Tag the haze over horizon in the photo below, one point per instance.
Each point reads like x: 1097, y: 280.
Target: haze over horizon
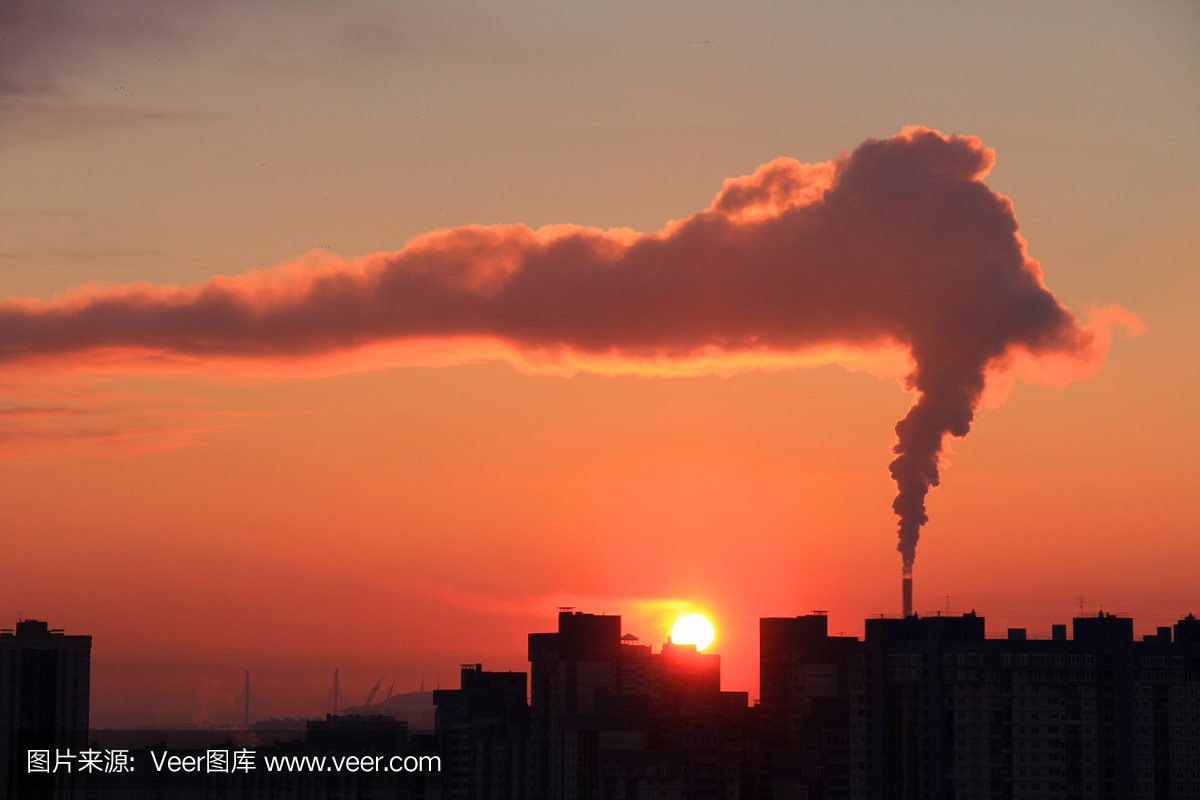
x: 412, y: 511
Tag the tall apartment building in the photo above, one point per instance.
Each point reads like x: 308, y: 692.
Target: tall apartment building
x: 935, y: 709
x: 44, y: 684
x: 805, y: 708
x: 484, y: 731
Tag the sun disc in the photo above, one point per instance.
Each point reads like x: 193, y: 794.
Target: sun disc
x: 693, y: 629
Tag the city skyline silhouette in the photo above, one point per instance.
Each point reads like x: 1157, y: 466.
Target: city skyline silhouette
x: 920, y: 707
x: 363, y: 338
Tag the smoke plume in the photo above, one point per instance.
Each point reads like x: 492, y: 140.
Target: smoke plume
x: 897, y: 245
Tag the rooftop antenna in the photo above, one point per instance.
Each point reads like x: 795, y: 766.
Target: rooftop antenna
x: 247, y: 717
x: 1081, y: 605
x: 422, y: 681
x: 335, y: 691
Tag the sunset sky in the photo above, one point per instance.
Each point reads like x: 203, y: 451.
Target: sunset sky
x: 308, y: 486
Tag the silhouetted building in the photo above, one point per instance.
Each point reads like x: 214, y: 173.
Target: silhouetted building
x: 484, y: 731
x: 567, y: 669
x: 938, y: 710
x: 44, y: 685
x: 380, y: 745
x: 805, y: 708
x: 612, y: 719
x: 358, y: 734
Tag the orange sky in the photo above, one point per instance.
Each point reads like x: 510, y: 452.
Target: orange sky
x: 405, y: 520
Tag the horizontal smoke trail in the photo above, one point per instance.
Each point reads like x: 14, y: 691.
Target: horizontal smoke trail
x: 897, y: 245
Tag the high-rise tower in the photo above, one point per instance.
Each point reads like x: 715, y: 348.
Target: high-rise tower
x: 44, y: 684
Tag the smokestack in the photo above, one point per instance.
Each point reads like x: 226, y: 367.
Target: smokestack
x: 908, y: 595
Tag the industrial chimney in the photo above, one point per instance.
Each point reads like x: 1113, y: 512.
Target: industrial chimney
x: 907, y: 588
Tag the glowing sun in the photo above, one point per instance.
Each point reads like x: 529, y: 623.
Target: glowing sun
x: 693, y: 629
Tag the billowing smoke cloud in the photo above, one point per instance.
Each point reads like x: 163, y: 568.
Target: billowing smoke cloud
x: 897, y: 245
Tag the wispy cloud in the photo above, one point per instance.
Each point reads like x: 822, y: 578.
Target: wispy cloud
x: 45, y: 44
x: 50, y: 49
x: 15, y: 259
x: 60, y: 117
x: 39, y: 411
x: 85, y: 416
x: 650, y: 615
